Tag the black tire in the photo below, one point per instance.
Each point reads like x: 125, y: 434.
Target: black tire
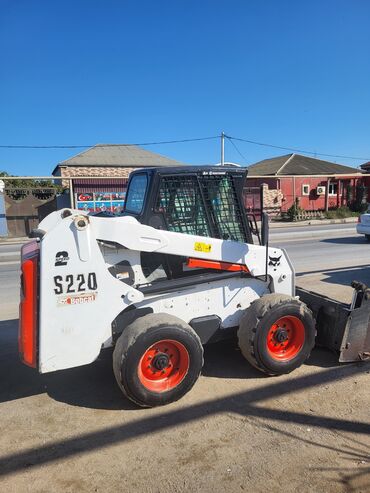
x: 367, y: 237
x: 139, y: 339
x: 258, y: 336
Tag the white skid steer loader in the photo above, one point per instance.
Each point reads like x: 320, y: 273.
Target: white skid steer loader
x: 178, y: 270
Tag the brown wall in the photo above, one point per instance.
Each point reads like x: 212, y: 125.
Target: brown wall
x: 22, y: 215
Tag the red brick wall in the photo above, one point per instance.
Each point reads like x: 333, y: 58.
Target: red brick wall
x: 293, y: 187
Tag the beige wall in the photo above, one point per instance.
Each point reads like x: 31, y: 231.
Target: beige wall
x: 272, y: 199
x: 95, y: 171
x: 102, y: 171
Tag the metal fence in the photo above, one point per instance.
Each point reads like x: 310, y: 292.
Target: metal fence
x: 25, y: 206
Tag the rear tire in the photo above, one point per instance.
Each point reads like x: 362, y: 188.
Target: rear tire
x: 157, y: 359
x: 367, y: 237
x: 277, y: 333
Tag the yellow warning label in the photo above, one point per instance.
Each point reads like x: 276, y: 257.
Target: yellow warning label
x: 202, y: 247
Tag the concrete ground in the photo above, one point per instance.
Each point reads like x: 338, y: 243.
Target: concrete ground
x: 237, y: 430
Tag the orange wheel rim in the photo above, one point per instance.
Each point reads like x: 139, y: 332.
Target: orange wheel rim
x: 163, y: 366
x: 285, y: 338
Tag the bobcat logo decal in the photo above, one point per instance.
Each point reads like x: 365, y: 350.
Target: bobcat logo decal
x: 274, y: 261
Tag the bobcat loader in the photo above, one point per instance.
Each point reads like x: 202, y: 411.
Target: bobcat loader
x: 177, y: 271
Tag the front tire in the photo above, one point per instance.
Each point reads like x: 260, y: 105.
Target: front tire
x: 276, y: 334
x: 367, y: 237
x: 157, y: 359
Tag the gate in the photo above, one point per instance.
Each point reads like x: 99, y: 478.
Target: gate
x: 22, y: 208
x: 3, y: 228
x: 253, y: 200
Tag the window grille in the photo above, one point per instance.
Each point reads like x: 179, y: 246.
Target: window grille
x: 205, y: 205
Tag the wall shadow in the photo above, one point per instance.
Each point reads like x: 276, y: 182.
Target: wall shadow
x: 247, y: 403
x: 354, y: 479
x: 344, y: 277
x: 336, y: 269
x: 347, y: 240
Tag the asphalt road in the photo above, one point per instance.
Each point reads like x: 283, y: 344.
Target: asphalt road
x: 9, y: 280
x: 325, y: 258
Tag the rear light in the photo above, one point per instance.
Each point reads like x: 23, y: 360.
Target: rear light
x: 28, y: 319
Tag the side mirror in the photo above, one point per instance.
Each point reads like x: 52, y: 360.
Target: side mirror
x: 265, y: 229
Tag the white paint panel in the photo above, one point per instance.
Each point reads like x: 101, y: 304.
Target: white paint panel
x: 72, y: 333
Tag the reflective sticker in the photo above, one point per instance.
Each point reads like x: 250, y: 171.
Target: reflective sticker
x: 202, y: 247
x: 77, y: 299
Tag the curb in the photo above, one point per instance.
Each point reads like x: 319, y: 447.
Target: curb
x: 14, y: 240
x: 282, y: 224
x: 313, y: 222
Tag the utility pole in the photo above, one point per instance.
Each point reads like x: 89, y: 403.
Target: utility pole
x: 222, y: 148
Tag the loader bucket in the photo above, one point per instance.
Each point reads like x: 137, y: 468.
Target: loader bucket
x: 341, y: 327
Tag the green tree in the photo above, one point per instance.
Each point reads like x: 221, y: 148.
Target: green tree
x: 29, y: 183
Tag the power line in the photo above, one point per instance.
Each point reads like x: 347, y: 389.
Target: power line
x: 293, y: 149
x: 236, y: 148
x: 229, y: 137
x: 106, y: 145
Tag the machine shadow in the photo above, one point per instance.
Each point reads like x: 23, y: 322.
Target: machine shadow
x: 94, y: 386
x: 91, y: 386
x: 344, y: 277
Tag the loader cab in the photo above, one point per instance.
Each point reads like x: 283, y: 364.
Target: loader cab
x: 204, y: 201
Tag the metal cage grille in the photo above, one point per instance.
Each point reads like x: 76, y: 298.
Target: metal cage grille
x: 221, y: 198
x: 204, y: 205
x: 180, y: 202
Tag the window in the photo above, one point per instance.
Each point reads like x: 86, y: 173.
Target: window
x: 333, y: 188
x: 110, y: 202
x: 305, y: 189
x: 136, y: 193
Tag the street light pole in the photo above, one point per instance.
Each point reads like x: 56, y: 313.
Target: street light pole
x: 222, y: 148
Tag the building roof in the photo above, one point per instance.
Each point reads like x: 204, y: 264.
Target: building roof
x: 366, y: 166
x: 296, y: 164
x: 128, y: 156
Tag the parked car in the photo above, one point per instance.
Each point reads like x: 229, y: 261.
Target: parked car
x: 363, y: 225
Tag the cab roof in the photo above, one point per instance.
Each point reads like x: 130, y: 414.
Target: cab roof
x: 187, y: 170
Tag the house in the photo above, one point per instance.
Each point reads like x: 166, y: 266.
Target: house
x: 106, y: 163
x: 366, y: 167
x: 318, y: 185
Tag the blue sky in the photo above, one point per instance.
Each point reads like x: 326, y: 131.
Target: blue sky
x: 290, y: 73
